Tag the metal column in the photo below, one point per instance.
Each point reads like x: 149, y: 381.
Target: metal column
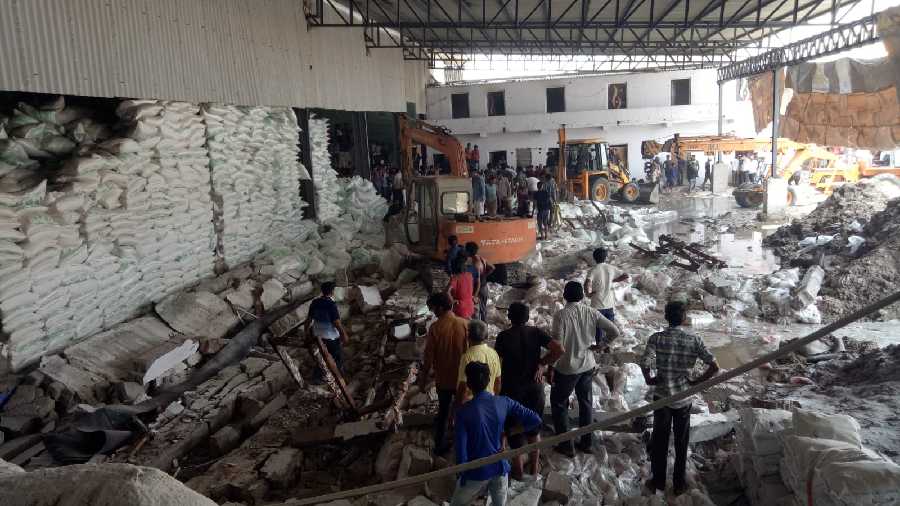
x: 721, y: 119
x: 776, y: 109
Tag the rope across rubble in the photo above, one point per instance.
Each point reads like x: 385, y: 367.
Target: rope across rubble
x: 613, y: 420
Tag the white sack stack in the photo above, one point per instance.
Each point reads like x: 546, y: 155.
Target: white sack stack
x: 128, y: 221
x: 324, y: 177
x: 255, y: 176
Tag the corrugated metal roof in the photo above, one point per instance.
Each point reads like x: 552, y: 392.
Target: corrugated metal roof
x: 251, y: 52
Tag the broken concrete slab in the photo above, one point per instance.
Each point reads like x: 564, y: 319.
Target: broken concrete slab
x: 39, y: 407
x: 77, y: 380
x: 282, y: 467
x: 224, y: 440
x: 253, y: 366
x: 272, y: 293
x: 14, y: 447
x: 197, y: 314
x: 415, y: 461
x: 723, y: 286
x: 369, y: 298
x: 24, y: 395
x: 557, y: 487
x: 15, y: 426
x: 351, y: 430
x: 711, y: 426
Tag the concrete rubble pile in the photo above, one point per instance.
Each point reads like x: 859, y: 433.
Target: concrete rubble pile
x: 255, y: 177
x: 853, y: 236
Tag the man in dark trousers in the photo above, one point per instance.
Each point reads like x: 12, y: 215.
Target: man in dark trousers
x: 520, y: 348
x: 575, y: 328
x: 479, y: 425
x: 674, y: 352
x: 680, y: 170
x: 444, y: 345
x: 325, y: 321
x: 707, y: 175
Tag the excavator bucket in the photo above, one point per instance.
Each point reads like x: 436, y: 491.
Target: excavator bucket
x: 649, y: 193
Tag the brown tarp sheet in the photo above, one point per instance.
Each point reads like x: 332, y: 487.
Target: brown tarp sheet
x: 849, y: 103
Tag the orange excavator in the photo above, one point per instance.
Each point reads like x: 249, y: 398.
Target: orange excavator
x: 441, y: 206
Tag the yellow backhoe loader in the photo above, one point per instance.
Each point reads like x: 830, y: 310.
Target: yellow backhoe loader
x: 585, y: 171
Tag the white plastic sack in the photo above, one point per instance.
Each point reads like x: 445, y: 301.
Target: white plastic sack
x: 819, y: 425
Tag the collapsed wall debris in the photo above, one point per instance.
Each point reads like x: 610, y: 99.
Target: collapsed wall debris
x: 853, y: 236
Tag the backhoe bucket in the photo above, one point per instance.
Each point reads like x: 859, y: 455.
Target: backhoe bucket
x: 649, y: 193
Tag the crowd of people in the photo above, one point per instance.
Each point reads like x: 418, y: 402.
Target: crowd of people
x: 671, y: 173
x: 495, y: 396
x: 499, y: 190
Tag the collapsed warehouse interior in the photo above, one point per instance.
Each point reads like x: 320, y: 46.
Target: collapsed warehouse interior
x: 169, y: 216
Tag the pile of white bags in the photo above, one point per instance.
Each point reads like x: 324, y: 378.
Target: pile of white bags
x: 823, y: 455
x: 324, y: 177
x: 760, y: 449
x: 255, y: 177
x: 121, y: 224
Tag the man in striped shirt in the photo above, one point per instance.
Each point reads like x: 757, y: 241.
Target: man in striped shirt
x: 675, y: 353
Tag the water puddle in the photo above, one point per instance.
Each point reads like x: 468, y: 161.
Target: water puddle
x: 707, y: 221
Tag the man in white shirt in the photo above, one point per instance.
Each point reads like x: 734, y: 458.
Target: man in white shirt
x: 575, y: 328
x: 532, y: 183
x: 598, y: 285
x: 398, y: 187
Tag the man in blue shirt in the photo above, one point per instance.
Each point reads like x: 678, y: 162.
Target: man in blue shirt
x: 325, y: 320
x: 454, y: 248
x: 479, y: 426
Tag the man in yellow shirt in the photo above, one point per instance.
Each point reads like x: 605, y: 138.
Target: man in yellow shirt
x: 478, y: 351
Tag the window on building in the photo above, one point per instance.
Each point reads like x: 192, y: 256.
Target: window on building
x: 460, y: 103
x: 618, y: 96
x: 496, y: 103
x: 681, y: 92
x: 556, y: 100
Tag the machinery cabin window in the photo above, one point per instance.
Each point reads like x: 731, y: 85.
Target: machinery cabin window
x: 681, y: 92
x: 454, y: 203
x: 556, y: 100
x: 496, y: 103
x: 460, y: 105
x: 585, y: 157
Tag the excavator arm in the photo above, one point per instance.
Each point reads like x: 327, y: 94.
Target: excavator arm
x: 414, y: 131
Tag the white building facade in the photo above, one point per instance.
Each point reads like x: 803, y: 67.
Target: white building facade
x: 512, y: 119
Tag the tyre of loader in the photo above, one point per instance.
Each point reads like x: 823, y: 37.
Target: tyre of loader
x: 630, y: 192
x: 749, y: 195
x: 649, y: 193
x: 600, y: 189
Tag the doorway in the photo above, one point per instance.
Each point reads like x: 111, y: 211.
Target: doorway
x: 523, y: 157
x: 498, y: 157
